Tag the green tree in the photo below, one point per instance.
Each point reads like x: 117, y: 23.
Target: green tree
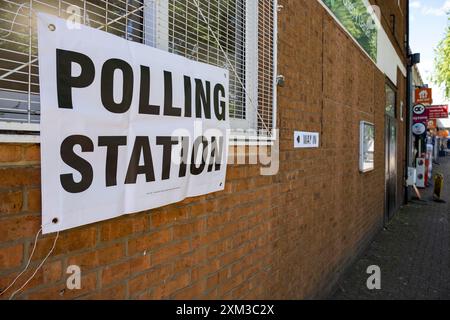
x: 442, y: 64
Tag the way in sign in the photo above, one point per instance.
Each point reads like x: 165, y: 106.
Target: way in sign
x: 306, y: 140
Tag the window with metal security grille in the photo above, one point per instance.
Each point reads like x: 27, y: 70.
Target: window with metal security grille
x: 239, y: 35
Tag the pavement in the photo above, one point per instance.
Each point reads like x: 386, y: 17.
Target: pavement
x: 413, y: 253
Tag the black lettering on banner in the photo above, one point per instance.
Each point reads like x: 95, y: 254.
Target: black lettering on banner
x: 202, y: 99
x: 187, y: 97
x: 197, y: 170
x: 184, y: 156
x: 141, y: 148
x: 64, y: 79
x: 167, y: 143
x: 107, y: 86
x: 144, y: 105
x: 219, y: 104
x: 216, y: 154
x: 112, y: 145
x: 169, y: 109
x: 76, y: 162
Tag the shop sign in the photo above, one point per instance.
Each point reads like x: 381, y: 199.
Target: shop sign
x: 424, y: 95
x: 419, y: 109
x: 420, y: 114
x: 124, y: 127
x: 419, y: 129
x: 423, y: 113
x: 437, y: 112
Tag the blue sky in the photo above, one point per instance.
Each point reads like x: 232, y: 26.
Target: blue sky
x: 428, y: 25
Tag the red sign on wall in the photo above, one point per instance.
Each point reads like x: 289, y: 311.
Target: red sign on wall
x: 424, y: 95
x: 437, y: 112
x: 420, y: 114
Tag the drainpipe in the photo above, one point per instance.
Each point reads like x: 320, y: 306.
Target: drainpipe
x: 409, y: 148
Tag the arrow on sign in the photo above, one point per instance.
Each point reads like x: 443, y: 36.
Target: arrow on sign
x: 306, y: 139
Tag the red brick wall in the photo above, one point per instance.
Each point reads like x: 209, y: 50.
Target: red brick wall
x: 390, y: 9
x: 289, y: 236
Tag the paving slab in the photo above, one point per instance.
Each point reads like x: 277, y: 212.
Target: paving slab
x: 413, y: 253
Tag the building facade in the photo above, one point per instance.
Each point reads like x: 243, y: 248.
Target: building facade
x: 296, y: 66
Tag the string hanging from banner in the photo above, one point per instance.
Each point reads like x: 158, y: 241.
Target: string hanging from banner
x: 28, y: 265
x: 37, y: 269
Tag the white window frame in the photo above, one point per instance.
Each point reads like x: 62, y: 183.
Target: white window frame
x: 29, y: 132
x: 362, y: 132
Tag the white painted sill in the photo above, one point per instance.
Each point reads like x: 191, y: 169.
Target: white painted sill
x: 12, y: 132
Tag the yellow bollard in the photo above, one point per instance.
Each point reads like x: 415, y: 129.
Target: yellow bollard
x: 438, y: 187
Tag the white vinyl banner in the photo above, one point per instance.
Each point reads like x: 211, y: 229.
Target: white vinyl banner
x: 124, y: 127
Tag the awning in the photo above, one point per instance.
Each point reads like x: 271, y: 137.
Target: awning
x: 443, y: 123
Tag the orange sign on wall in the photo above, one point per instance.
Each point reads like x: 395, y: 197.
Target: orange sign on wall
x: 424, y: 95
x: 432, y: 124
